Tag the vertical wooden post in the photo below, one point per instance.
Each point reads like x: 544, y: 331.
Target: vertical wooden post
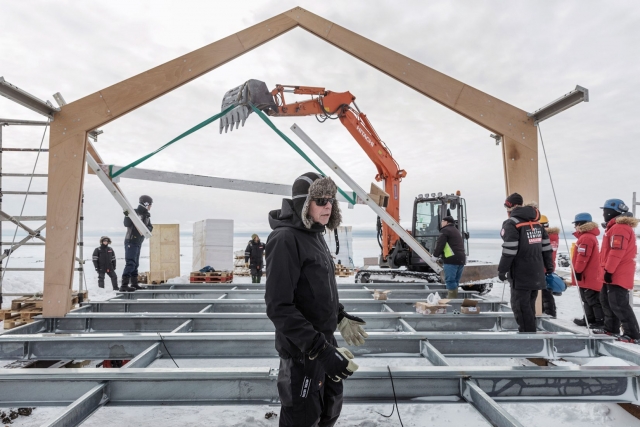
x: 66, y: 178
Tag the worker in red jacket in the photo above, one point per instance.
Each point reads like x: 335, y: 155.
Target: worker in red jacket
x: 548, y: 302
x: 586, y: 267
x: 617, y: 270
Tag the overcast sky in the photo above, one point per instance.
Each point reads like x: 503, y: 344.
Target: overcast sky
x: 526, y: 53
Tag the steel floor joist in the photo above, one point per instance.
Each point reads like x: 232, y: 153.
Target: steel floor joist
x: 44, y: 387
x: 118, y: 346
x: 258, y: 306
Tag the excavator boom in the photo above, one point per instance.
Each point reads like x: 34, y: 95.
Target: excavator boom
x: 324, y: 105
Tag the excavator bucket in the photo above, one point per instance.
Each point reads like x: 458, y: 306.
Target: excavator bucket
x: 252, y: 91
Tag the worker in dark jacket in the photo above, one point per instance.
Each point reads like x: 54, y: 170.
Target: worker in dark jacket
x: 526, y: 257
x: 253, y: 258
x: 302, y: 302
x: 617, y: 270
x: 451, y: 247
x: 585, y: 262
x: 104, y: 260
x: 133, y: 243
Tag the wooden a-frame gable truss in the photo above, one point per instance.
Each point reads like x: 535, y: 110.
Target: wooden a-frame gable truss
x: 68, y: 137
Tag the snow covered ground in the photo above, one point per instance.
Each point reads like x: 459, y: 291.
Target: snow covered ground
x: 454, y: 414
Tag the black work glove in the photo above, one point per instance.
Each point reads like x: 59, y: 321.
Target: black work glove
x: 608, y: 277
x: 126, y: 213
x: 502, y: 276
x: 548, y: 272
x: 578, y: 276
x: 336, y: 362
x: 97, y: 269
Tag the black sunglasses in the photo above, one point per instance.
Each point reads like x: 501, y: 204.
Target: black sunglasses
x: 324, y: 200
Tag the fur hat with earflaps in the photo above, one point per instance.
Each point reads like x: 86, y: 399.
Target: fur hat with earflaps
x: 313, y: 186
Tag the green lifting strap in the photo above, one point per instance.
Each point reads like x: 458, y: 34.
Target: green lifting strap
x: 179, y: 137
x: 264, y: 117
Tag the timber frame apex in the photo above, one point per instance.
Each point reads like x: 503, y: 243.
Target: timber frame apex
x: 68, y: 134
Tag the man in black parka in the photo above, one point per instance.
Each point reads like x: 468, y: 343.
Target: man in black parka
x: 253, y: 256
x: 451, y: 247
x: 104, y: 260
x: 302, y: 302
x: 526, y: 258
x: 133, y: 243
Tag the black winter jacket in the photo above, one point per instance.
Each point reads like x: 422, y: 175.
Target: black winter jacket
x: 301, y: 290
x: 253, y: 254
x: 133, y: 235
x: 104, y: 258
x: 526, y: 250
x: 450, y: 234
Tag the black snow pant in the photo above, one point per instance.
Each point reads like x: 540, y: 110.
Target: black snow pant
x: 523, y: 305
x: 617, y: 310
x: 548, y: 303
x: 112, y: 274
x: 132, y: 260
x: 256, y: 273
x: 592, y: 306
x: 308, y: 397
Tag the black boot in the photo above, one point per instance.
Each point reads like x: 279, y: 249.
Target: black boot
x: 134, y: 283
x: 580, y: 322
x: 597, y: 324
x: 125, y: 285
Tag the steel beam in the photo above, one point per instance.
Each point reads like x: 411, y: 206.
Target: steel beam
x: 412, y: 294
x: 488, y: 407
x: 25, y: 99
x: 145, y: 358
x: 261, y: 344
x: 259, y: 306
x: 260, y: 286
x: 82, y: 408
x: 132, y: 387
x: 87, y: 322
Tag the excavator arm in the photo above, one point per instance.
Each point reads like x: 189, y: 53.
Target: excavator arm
x: 324, y: 105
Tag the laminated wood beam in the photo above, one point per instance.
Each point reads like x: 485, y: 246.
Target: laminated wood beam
x: 68, y: 135
x: 483, y: 109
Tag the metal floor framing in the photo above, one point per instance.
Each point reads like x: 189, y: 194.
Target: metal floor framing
x: 228, y: 321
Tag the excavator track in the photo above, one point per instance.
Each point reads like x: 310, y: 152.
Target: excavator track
x: 404, y: 276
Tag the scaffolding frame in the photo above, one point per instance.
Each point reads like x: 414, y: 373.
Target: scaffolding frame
x: 27, y: 100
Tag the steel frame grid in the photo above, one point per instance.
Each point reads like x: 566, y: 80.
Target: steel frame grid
x: 193, y: 330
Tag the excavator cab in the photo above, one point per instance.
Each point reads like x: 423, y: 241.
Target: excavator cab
x: 428, y: 212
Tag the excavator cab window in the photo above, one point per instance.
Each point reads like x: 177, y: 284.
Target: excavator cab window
x: 427, y: 223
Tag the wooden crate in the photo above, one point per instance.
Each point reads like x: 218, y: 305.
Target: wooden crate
x: 164, y: 253
x: 342, y: 271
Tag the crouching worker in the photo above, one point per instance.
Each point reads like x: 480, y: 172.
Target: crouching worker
x: 302, y: 302
x: 586, y: 264
x: 526, y: 257
x: 104, y: 260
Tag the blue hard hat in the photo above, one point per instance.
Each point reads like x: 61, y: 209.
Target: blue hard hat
x: 583, y: 216
x: 615, y: 204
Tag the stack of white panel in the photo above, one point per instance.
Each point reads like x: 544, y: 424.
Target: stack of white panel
x: 213, y: 244
x: 345, y: 239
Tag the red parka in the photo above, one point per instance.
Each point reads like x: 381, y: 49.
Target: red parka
x: 554, y: 237
x: 586, y: 256
x: 619, y: 250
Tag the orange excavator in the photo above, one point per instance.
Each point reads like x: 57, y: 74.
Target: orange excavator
x: 324, y: 104
x: 428, y: 210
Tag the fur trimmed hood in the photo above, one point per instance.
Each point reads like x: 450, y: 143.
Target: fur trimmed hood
x: 554, y: 230
x: 586, y: 227
x: 105, y: 238
x: 628, y: 220
x: 318, y: 189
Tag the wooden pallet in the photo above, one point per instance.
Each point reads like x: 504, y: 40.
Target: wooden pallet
x: 342, y: 271
x: 24, y: 309
x: 211, y: 277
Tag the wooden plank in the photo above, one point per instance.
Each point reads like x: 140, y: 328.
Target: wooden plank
x: 66, y: 175
x: 521, y: 170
